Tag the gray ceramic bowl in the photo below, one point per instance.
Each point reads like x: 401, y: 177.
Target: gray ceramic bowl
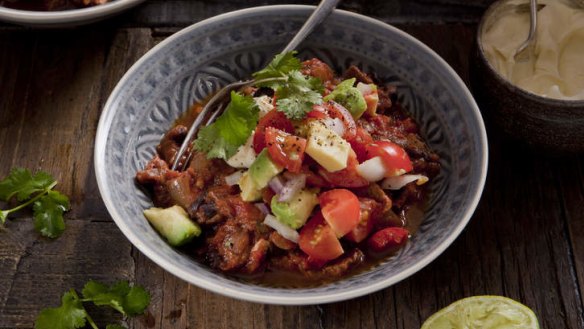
x: 545, y: 124
x: 190, y: 64
x: 65, y: 18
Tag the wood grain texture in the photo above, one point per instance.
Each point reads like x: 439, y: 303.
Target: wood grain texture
x: 525, y: 241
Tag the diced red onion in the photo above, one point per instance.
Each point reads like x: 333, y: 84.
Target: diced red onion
x: 335, y: 124
x: 292, y: 186
x: 284, y: 230
x: 276, y: 184
x: 262, y: 207
x: 233, y: 179
x: 372, y: 170
x: 397, y: 182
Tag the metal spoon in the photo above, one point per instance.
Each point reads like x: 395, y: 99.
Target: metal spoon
x: 526, y: 49
x: 217, y: 103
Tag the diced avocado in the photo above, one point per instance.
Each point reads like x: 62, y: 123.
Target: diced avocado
x: 173, y: 224
x: 326, y: 147
x: 295, y: 212
x: 249, y: 191
x: 348, y: 96
x: 263, y: 169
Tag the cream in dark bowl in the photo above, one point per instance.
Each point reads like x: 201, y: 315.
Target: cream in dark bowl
x: 539, y: 101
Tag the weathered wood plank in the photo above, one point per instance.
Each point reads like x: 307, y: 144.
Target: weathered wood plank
x: 39, y: 270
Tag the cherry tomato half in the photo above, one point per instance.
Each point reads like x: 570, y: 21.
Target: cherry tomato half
x: 275, y: 119
x: 388, y: 239
x: 318, y: 240
x: 366, y: 221
x: 395, y: 158
x: 341, y: 210
x: 360, y: 142
x: 285, y: 149
x: 348, y: 177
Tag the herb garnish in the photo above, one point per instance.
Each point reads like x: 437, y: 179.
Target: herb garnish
x: 48, y: 205
x: 231, y: 130
x: 295, y: 92
x: 71, y: 314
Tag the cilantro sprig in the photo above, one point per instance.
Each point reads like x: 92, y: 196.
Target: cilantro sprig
x: 27, y: 189
x: 71, y: 314
x: 296, y: 93
x: 231, y: 130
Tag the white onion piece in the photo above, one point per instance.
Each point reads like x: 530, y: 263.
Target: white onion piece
x: 233, y: 179
x: 364, y: 88
x: 284, y: 230
x: 292, y: 186
x: 372, y: 170
x: 397, y: 182
x: 264, y: 103
x: 276, y: 184
x: 262, y: 207
x: 335, y: 124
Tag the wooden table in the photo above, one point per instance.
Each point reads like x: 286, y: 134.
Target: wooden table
x: 525, y: 241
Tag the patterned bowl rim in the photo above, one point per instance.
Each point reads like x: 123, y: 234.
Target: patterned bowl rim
x: 109, y: 111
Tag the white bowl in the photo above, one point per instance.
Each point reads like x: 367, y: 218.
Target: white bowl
x: 187, y: 66
x: 65, y: 17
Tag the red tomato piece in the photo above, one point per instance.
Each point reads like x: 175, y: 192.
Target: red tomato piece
x: 341, y: 210
x: 366, y: 221
x: 360, y: 142
x: 318, y: 240
x: 388, y: 239
x: 395, y: 158
x: 348, y: 177
x: 275, y: 119
x: 336, y: 110
x: 318, y: 112
x: 285, y: 149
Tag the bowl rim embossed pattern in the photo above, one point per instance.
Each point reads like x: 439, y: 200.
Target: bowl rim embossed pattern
x: 199, y: 58
x: 64, y: 18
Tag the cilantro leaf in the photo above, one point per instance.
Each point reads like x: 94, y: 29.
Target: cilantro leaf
x: 69, y: 315
x: 231, y: 130
x: 298, y: 95
x: 280, y: 66
x: 22, y: 184
x: 120, y: 296
x: 48, y: 214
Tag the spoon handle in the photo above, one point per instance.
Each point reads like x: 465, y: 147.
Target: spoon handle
x: 320, y: 13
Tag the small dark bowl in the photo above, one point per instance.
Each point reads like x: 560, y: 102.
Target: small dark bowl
x: 545, y: 124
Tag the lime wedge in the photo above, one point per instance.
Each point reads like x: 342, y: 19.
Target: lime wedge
x: 483, y: 312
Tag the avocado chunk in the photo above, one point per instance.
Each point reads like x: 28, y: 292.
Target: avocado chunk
x: 249, y: 191
x: 295, y: 212
x: 263, y: 169
x: 326, y: 147
x: 173, y: 224
x: 348, y: 96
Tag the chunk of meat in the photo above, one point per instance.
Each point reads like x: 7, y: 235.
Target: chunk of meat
x: 355, y: 72
x: 207, y: 171
x: 182, y: 190
x: 230, y: 247
x: 257, y: 256
x: 170, y: 144
x: 281, y: 242
x: 318, y: 69
x: 299, y: 262
x: 154, y: 172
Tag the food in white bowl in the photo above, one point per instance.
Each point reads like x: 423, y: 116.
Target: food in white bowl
x: 61, y: 13
x: 193, y: 63
x: 555, y: 68
x: 287, y: 185
x: 50, y: 5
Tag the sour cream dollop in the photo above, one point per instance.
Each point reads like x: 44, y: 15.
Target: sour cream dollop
x: 556, y: 70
